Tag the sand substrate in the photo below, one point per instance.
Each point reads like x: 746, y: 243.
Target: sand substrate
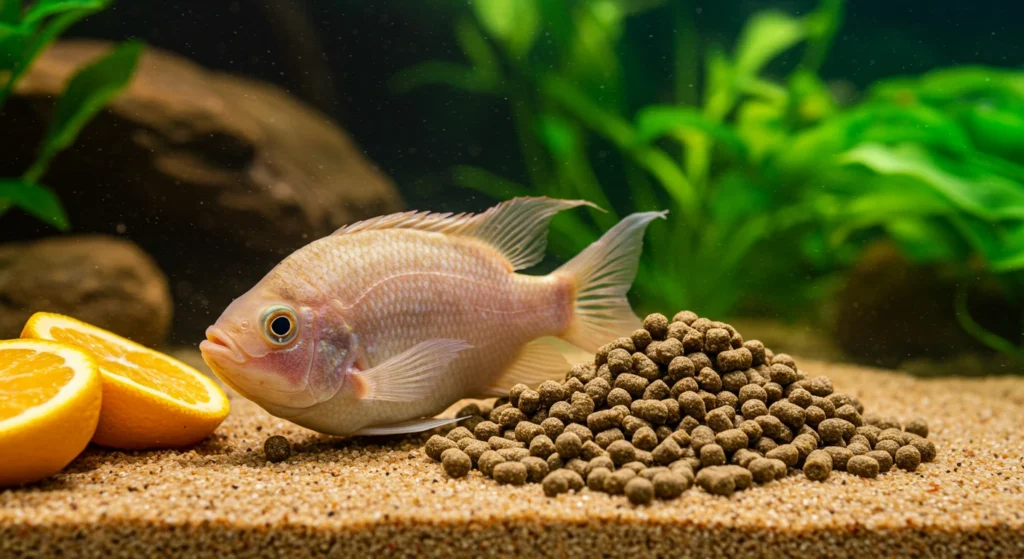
x: 385, y: 497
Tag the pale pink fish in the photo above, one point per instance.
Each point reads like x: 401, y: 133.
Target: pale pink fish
x: 385, y: 323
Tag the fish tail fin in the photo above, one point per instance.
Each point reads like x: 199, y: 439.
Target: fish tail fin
x: 602, y: 275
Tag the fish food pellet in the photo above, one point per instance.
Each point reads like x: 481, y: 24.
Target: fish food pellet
x: 818, y: 465
x: 434, y: 447
x: 475, y: 450
x: 542, y: 447
x: 488, y: 461
x: 536, y: 469
x: 925, y: 447
x: 555, y: 483
x: 645, y: 439
x: 621, y: 452
x: 669, y: 485
x: 510, y: 473
x: 716, y: 481
x: 908, y: 458
x: 762, y: 470
x: 456, y: 463
x: 786, y: 453
x: 279, y: 449
x: 884, y: 459
x: 732, y: 440
x: 863, y: 466
x: 485, y: 430
x: 596, y: 478
x: 712, y: 455
x: 671, y: 400
x: 616, y: 482
x: 639, y: 491
x: 858, y: 448
x: 512, y: 453
x: 568, y: 445
x: 619, y: 396
x: 917, y: 426
x: 888, y: 445
x: 840, y: 456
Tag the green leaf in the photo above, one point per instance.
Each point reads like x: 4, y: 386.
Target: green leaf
x: 1001, y: 246
x: 45, y: 8
x: 478, y: 50
x: 10, y: 11
x: 558, y: 135
x: 13, y: 43
x: 513, y: 22
x: 86, y: 94
x: 36, y: 199
x: 765, y: 36
x: 437, y: 72
x: 925, y: 240
x: 988, y: 196
x: 655, y: 121
x: 620, y: 132
x: 51, y: 29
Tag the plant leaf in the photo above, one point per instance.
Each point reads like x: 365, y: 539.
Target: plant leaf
x: 36, y: 199
x: 49, y: 32
x: 13, y: 42
x: 439, y: 72
x: 988, y: 196
x: 46, y: 8
x: 655, y: 121
x: 513, y: 22
x: 765, y: 36
x: 10, y: 11
x: 86, y: 94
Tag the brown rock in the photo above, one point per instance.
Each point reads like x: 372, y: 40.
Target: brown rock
x: 102, y: 280
x: 218, y: 177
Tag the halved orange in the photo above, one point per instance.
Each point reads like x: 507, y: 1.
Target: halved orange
x: 50, y: 396
x: 150, y: 400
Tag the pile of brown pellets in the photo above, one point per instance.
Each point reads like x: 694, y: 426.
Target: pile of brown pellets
x: 677, y: 403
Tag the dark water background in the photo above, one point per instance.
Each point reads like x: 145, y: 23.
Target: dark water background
x: 340, y: 54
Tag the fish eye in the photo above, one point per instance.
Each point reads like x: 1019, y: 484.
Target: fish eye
x: 279, y: 325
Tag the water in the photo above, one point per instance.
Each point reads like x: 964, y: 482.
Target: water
x: 832, y: 210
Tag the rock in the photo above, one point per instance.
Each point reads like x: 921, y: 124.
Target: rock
x: 102, y: 280
x: 893, y: 311
x: 218, y: 177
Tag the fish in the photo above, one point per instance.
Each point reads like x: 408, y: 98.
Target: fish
x: 380, y: 326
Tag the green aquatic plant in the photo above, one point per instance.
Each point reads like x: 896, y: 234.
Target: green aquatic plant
x: 25, y: 30
x: 774, y: 185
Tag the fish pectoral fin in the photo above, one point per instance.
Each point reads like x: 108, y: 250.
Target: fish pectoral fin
x: 406, y: 427
x: 540, y: 360
x: 410, y: 375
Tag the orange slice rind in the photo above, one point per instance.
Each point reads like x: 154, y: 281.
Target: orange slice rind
x: 150, y: 400
x: 50, y: 399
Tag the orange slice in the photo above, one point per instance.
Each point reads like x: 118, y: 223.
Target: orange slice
x: 149, y: 399
x: 49, y: 404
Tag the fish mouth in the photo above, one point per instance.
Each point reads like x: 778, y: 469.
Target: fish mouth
x: 219, y: 345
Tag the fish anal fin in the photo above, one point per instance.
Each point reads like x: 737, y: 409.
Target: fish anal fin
x: 406, y: 427
x: 538, y: 361
x: 517, y: 228
x: 410, y: 375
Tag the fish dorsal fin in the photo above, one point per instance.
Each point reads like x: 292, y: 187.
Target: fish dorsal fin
x: 538, y: 361
x: 518, y: 228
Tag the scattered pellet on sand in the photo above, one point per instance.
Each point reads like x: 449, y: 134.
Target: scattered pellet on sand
x: 278, y: 448
x: 678, y: 403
